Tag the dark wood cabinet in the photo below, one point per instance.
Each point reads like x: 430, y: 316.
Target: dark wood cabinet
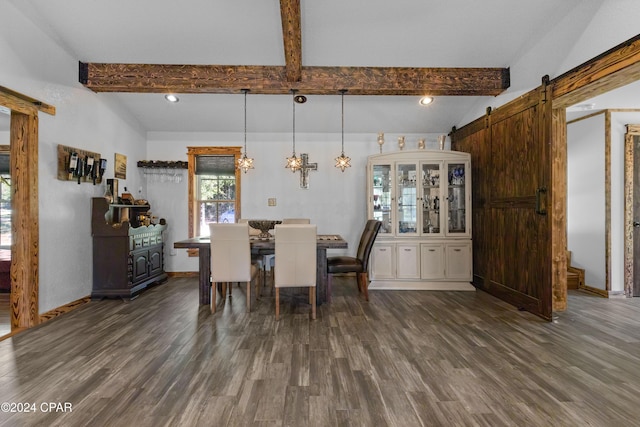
x: 127, y: 255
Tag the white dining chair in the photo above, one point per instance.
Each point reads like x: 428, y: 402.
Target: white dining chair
x: 296, y: 221
x: 231, y: 260
x: 296, y: 266
x: 271, y: 259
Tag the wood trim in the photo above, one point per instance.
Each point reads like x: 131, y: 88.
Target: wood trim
x: 23, y: 104
x: 51, y: 314
x: 162, y: 78
x: 292, y: 38
x: 558, y: 208
x: 600, y: 292
x: 192, y: 152
x: 183, y: 273
x: 579, y: 119
x: 607, y: 200
x: 24, y: 226
x: 612, y: 69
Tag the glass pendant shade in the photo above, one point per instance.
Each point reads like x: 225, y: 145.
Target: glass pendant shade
x: 245, y: 163
x: 343, y: 161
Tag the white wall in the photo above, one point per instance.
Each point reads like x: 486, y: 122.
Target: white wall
x: 586, y: 198
x: 335, y: 201
x: 585, y: 219
x: 566, y: 47
x: 37, y: 67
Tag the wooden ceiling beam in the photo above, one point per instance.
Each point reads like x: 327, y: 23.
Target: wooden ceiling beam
x: 156, y: 78
x: 292, y: 37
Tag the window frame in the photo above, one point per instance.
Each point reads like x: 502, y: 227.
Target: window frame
x: 192, y: 153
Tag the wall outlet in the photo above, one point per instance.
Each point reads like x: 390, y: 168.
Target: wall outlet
x: 271, y: 201
x: 173, y: 252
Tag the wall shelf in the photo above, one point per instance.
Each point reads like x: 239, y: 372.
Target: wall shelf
x: 161, y: 164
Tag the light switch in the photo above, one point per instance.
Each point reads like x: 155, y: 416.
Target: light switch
x: 271, y: 201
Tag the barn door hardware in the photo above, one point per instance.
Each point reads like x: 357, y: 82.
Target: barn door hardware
x: 539, y: 209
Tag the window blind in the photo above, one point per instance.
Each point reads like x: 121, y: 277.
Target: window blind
x: 5, y: 166
x: 215, y: 165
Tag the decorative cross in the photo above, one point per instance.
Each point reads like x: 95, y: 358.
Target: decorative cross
x: 305, y: 167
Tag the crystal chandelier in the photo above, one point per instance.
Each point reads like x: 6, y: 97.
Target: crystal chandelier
x: 294, y: 163
x: 342, y: 161
x: 245, y: 163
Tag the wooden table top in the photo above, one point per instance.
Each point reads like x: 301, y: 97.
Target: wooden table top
x: 325, y: 241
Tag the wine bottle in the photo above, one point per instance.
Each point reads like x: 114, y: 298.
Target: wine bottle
x: 79, y: 170
x: 88, y: 165
x: 73, y: 164
x: 103, y: 167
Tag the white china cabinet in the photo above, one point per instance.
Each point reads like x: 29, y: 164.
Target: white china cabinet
x: 423, y: 198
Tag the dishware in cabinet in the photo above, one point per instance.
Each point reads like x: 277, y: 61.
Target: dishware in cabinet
x: 423, y: 198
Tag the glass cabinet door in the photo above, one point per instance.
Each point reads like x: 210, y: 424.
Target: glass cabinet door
x: 381, y: 197
x: 431, y: 198
x: 456, y: 198
x: 407, y: 209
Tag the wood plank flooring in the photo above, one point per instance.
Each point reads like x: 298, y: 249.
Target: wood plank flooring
x: 5, y: 314
x: 406, y: 358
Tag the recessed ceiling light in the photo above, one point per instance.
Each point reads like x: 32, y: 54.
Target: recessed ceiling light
x: 585, y: 107
x: 426, y: 100
x: 171, y: 97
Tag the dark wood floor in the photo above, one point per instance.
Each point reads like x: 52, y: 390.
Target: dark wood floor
x: 406, y: 358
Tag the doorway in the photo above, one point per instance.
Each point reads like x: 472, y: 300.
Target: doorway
x: 23, y: 143
x: 632, y: 211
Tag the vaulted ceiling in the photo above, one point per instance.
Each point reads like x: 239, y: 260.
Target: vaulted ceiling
x: 384, y: 53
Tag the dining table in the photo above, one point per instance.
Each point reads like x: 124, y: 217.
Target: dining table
x: 264, y: 246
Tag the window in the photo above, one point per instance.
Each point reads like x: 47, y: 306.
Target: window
x: 5, y: 200
x: 214, y: 187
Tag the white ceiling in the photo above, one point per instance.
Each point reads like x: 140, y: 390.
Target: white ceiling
x: 415, y: 33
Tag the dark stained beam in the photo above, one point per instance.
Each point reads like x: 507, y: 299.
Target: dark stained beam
x: 292, y: 37
x: 155, y: 78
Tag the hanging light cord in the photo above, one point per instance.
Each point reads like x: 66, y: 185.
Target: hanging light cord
x: 342, y: 122
x: 245, y: 120
x: 293, y: 91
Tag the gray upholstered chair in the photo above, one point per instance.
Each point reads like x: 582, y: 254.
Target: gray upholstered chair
x: 231, y: 259
x: 358, y: 264
x: 296, y: 261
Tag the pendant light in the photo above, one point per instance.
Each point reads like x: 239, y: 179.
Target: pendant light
x: 245, y: 163
x: 342, y: 161
x: 294, y: 163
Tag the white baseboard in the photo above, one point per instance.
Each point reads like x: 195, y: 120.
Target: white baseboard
x: 420, y: 286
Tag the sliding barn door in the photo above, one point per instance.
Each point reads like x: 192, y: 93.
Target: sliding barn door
x: 511, y: 233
